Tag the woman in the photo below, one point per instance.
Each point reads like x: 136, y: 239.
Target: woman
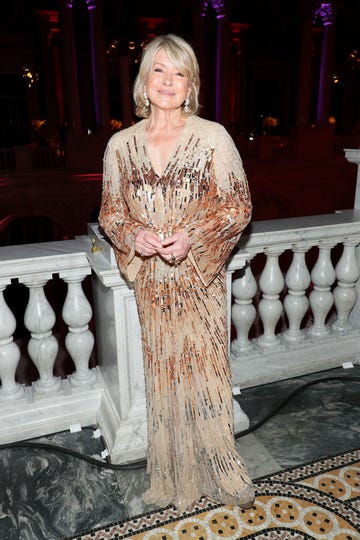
x: 175, y: 200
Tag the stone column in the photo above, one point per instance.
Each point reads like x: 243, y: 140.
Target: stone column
x: 48, y: 23
x: 353, y: 156
x: 125, y: 89
x: 198, y: 23
x: 70, y: 72
x: 222, y: 68
x: 98, y: 63
x: 316, y: 143
x: 305, y: 66
x: 325, y: 10
x: 237, y: 74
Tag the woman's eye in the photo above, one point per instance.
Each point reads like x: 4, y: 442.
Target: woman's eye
x: 158, y: 70
x: 180, y: 74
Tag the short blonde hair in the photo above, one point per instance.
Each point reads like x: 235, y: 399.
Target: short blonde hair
x: 182, y: 56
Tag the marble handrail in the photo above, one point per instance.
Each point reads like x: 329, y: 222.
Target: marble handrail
x: 34, y: 265
x: 50, y: 403
x: 300, y: 311
x: 289, y: 314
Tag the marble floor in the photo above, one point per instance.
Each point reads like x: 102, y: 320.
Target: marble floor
x: 52, y: 496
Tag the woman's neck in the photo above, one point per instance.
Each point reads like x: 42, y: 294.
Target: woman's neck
x: 166, y: 119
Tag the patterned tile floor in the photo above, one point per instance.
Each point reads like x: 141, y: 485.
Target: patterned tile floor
x: 318, y: 500
x: 47, y: 496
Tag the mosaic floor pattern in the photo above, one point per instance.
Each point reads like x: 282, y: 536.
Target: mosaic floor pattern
x: 318, y: 500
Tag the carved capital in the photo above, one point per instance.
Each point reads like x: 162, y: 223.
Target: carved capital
x: 326, y: 12
x: 219, y: 6
x: 91, y: 4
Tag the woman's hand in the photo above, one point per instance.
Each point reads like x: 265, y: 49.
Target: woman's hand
x: 176, y: 247
x: 147, y: 243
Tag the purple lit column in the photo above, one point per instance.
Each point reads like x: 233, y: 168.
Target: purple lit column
x: 222, y: 54
x: 71, y: 83
x: 198, y: 22
x: 237, y: 74
x: 48, y: 30
x: 325, y: 10
x: 305, y: 66
x: 98, y: 62
x: 125, y: 84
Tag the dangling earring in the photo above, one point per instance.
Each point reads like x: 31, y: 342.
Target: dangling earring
x: 186, y: 105
x: 146, y: 100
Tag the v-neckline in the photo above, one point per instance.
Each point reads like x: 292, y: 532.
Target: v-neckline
x: 172, y: 153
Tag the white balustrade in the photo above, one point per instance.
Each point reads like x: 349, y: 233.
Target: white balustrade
x: 79, y: 341
x: 314, y: 314
x: 112, y: 395
x: 345, y: 295
x: 243, y: 312
x: 321, y: 297
x: 9, y: 352
x: 51, y: 403
x: 296, y: 304
x: 39, y: 319
x: 270, y: 307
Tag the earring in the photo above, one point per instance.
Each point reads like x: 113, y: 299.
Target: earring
x: 146, y: 100
x: 186, y: 105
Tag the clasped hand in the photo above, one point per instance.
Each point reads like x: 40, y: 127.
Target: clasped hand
x: 173, y: 248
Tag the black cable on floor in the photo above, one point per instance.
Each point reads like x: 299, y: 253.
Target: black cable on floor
x: 62, y: 450
x: 135, y: 465
x: 289, y: 398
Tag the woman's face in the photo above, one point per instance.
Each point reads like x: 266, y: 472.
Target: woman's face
x: 166, y: 87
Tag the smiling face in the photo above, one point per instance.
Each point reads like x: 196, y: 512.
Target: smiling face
x: 166, y: 87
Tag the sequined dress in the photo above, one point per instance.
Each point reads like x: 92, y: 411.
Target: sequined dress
x: 182, y: 309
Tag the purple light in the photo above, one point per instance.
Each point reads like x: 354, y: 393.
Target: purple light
x: 326, y: 12
x: 219, y: 7
x: 91, y: 4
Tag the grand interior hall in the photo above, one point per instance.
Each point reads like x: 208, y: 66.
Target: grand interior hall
x: 284, y: 79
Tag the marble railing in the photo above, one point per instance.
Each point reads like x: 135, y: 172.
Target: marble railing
x: 293, y: 309
x: 295, y: 314
x: 50, y: 403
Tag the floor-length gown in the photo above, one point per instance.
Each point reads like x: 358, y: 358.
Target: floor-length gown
x: 182, y: 309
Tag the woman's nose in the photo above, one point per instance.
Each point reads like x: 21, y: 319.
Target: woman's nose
x: 168, y: 79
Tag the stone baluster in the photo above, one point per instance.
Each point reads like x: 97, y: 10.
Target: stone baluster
x: 79, y: 340
x: 9, y: 352
x: 296, y: 304
x: 39, y: 319
x: 243, y: 312
x: 321, y: 298
x: 345, y: 295
x: 270, y: 307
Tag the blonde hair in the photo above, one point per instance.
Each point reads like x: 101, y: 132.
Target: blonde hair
x: 182, y: 56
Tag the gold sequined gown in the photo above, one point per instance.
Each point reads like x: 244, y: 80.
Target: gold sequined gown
x: 182, y: 309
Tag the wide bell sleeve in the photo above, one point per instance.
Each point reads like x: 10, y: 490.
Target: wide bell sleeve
x: 215, y: 233
x: 114, y: 216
